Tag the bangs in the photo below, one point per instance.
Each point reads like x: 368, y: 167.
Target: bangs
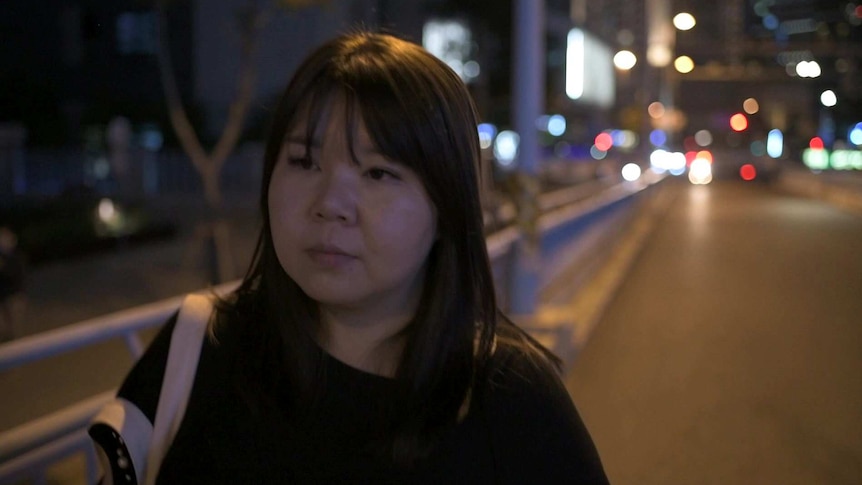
x: 362, y: 102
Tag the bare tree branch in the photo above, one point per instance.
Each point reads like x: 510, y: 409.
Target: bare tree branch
x: 177, y: 113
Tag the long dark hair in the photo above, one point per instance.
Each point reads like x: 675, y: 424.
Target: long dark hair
x: 419, y: 113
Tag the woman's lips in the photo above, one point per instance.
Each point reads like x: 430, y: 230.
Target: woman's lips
x: 329, y: 257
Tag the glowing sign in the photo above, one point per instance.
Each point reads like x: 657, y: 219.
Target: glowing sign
x: 589, y: 69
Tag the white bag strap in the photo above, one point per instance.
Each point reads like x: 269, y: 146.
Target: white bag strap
x: 186, y: 342
x: 134, y: 430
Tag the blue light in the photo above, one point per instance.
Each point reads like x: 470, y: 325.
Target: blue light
x: 657, y: 137
x: 770, y: 22
x: 487, y: 132
x: 556, y: 125
x: 775, y: 143
x: 855, y: 135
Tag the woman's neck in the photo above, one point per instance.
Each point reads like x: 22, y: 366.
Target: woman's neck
x: 372, y: 344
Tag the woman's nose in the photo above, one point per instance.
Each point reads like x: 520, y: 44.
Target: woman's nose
x: 335, y: 196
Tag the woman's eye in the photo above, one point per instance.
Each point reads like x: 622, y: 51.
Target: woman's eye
x: 303, y: 162
x: 380, y: 174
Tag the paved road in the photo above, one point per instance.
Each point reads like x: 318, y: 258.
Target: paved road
x: 732, y: 352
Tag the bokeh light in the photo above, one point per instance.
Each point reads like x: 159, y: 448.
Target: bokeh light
x: 506, y: 147
x: 604, y: 141
x: 750, y: 106
x: 775, y: 143
x: 655, y: 109
x: 684, y: 21
x: 658, y: 137
x: 700, y: 172
x: 631, y: 172
x: 556, y: 125
x: 703, y: 138
x: 738, y: 122
x: 855, y: 135
x: 487, y: 132
x: 625, y: 60
x: 747, y: 172
x: 683, y: 64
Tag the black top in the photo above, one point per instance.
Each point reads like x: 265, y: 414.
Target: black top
x: 522, y: 428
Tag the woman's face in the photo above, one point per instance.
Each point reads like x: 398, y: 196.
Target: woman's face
x: 353, y: 232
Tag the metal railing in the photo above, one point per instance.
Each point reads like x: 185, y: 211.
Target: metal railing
x: 27, y: 451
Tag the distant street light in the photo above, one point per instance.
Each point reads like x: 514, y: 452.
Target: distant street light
x: 683, y: 64
x: 684, y: 21
x: 625, y: 60
x: 828, y: 98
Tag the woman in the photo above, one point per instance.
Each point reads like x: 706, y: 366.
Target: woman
x: 364, y: 345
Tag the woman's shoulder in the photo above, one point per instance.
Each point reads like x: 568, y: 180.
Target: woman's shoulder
x: 538, y: 432
x: 519, y: 363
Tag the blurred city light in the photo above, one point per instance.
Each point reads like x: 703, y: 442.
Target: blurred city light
x: 738, y: 122
x: 747, y: 172
x: 625, y: 139
x: 690, y: 156
x: 506, y: 147
x: 775, y: 143
x: 586, y: 53
x: 658, y: 137
x: 816, y: 143
x: 750, y: 106
x: 815, y: 158
x: 809, y: 69
x: 655, y: 109
x: 471, y: 69
x: 631, y: 172
x: 846, y: 160
x: 770, y: 22
x: 683, y: 64
x: 487, y: 132
x: 107, y: 212
x: 659, y: 55
x: 598, y: 153
x: 828, y: 98
x: 703, y: 138
x: 625, y: 60
x: 855, y: 135
x: 700, y: 172
x: 556, y: 125
x: 604, y: 141
x: 684, y: 21
x: 150, y: 137
x: 704, y: 155
x: 451, y: 42
x: 821, y: 159
x: 664, y: 161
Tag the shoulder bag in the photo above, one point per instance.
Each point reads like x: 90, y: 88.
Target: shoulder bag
x: 147, y: 444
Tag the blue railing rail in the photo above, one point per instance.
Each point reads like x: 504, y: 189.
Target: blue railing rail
x: 28, y: 450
